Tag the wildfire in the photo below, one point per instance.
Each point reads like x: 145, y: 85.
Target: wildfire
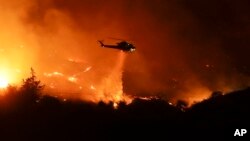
x: 87, y: 69
x: 53, y: 74
x: 111, y: 88
x: 115, y: 105
x: 4, y: 79
x: 3, y: 82
x: 87, y: 84
x: 148, y: 97
x: 92, y: 87
x: 72, y: 79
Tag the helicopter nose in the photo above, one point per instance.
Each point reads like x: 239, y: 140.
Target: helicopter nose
x: 132, y: 49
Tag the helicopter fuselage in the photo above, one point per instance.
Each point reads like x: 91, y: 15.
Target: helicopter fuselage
x: 124, y: 46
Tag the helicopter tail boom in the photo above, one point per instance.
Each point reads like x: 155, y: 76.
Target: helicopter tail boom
x: 101, y: 42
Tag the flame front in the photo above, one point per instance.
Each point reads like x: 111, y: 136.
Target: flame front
x: 111, y: 87
x: 58, y: 38
x: 107, y: 88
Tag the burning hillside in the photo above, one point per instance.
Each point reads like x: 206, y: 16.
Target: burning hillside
x: 179, y: 56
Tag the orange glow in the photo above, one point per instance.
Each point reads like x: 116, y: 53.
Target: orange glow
x: 92, y: 87
x: 197, y: 94
x: 4, y: 79
x: 111, y: 87
x: 148, y: 97
x: 53, y: 74
x: 59, y: 41
x: 17, y: 47
x: 72, y: 79
x: 3, y: 82
x: 115, y: 105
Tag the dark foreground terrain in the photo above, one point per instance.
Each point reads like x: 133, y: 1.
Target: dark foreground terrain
x: 24, y: 115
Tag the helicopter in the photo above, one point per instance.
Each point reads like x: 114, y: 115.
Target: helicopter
x: 123, y: 45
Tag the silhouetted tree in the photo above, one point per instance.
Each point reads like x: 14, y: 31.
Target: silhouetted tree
x: 32, y: 84
x: 31, y: 87
x: 181, y: 104
x: 216, y: 94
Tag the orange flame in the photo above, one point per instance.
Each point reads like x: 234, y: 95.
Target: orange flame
x: 111, y: 87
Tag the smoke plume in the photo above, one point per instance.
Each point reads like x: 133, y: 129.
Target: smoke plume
x: 185, y: 49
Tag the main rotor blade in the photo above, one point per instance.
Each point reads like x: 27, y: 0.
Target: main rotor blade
x: 116, y: 39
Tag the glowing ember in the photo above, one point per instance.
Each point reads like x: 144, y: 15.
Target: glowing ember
x: 207, y: 65
x: 72, y: 79
x: 92, y: 87
x: 53, y: 74
x: 52, y: 85
x: 87, y: 69
x: 148, y: 97
x: 115, y: 105
x: 71, y: 60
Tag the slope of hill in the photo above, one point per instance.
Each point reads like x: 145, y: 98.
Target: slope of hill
x: 24, y: 116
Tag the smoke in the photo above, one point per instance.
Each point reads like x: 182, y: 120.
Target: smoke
x: 185, y: 49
